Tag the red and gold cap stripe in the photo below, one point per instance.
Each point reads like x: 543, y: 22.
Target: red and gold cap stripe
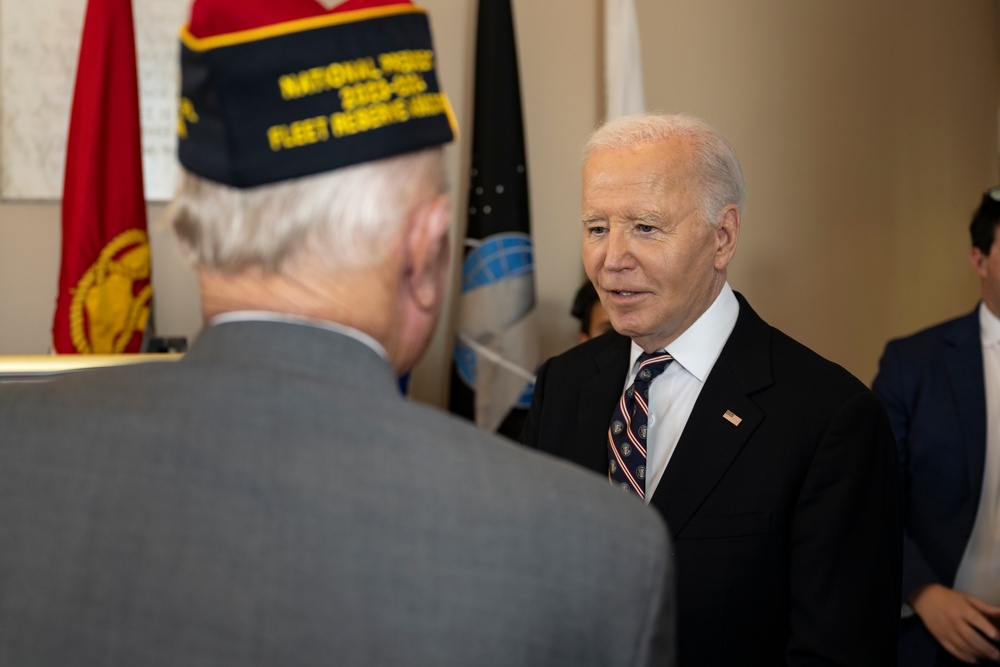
x: 203, y: 44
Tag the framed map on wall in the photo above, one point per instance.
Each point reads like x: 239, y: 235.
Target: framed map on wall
x: 39, y: 46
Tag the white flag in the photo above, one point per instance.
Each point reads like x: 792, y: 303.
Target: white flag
x: 622, y: 60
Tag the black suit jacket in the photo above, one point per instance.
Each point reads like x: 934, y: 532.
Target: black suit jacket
x: 786, y: 526
x: 933, y: 387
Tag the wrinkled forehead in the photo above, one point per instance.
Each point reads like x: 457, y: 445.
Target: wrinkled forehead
x: 663, y: 167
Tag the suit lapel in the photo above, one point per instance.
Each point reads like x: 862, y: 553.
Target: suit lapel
x: 710, y: 442
x: 964, y: 363
x: 598, y: 395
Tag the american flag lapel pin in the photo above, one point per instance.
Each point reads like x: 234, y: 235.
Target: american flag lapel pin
x: 732, y: 418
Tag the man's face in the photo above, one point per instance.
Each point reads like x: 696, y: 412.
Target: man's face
x: 655, y: 263
x: 988, y: 269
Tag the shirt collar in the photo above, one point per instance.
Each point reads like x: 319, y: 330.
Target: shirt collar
x: 989, y: 326
x: 287, y: 318
x: 697, y: 349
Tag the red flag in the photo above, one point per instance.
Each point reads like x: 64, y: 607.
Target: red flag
x: 104, y: 284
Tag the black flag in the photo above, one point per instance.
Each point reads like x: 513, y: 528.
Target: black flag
x: 496, y: 349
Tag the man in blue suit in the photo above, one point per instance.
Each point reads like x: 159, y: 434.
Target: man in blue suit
x: 941, y: 387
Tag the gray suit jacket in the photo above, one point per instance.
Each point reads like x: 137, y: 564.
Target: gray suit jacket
x: 272, y: 500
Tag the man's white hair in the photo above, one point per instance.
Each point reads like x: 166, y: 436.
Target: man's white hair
x: 348, y: 218
x: 718, y: 167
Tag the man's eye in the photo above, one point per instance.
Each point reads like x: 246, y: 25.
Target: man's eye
x: 596, y: 231
x: 645, y: 229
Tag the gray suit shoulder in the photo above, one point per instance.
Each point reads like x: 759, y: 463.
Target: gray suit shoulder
x: 605, y: 554
x: 507, y: 468
x: 365, y: 504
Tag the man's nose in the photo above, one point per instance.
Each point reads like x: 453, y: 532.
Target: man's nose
x: 619, y: 251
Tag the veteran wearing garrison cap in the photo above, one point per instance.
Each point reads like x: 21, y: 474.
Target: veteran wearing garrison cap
x: 272, y: 499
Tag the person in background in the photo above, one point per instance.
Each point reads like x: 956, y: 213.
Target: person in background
x: 272, y: 499
x: 941, y: 387
x: 773, y: 467
x: 588, y: 309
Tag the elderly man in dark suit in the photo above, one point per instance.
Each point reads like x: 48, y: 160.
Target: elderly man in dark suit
x: 941, y: 387
x: 774, y: 468
x: 272, y: 499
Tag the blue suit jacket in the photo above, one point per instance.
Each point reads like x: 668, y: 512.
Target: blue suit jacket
x: 933, y: 388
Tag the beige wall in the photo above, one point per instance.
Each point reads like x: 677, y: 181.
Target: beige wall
x: 868, y: 131
x: 867, y: 128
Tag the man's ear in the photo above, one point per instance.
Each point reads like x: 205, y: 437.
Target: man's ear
x: 979, y: 259
x: 727, y: 234
x: 427, y: 250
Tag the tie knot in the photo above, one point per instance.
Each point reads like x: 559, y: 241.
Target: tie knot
x: 652, y: 364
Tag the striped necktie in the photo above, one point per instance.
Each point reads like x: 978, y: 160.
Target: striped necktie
x: 627, y: 433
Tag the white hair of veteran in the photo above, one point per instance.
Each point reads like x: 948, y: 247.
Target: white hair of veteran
x: 343, y: 217
x: 718, y: 167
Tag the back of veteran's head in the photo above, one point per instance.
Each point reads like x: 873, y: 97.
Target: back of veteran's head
x: 366, y: 246
x: 663, y: 198
x: 293, y: 200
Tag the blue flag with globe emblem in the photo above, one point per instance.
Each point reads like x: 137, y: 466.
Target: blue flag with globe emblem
x: 497, y: 348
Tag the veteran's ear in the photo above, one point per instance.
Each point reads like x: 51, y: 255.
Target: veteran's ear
x: 427, y: 251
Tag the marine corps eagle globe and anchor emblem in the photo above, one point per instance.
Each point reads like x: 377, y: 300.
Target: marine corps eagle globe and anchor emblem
x: 110, y: 304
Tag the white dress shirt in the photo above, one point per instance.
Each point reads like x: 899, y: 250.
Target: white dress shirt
x: 672, y: 395
x: 979, y: 571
